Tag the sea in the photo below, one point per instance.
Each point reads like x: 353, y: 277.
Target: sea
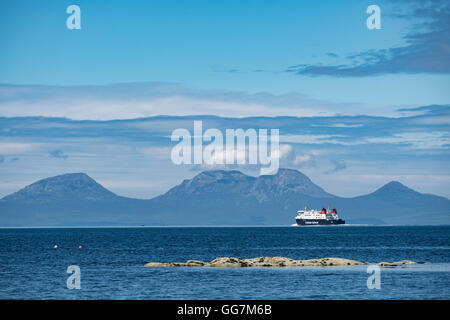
x: 110, y: 262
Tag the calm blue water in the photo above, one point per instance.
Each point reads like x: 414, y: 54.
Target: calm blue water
x: 112, y: 262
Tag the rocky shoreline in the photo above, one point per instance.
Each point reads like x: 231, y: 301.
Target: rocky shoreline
x: 274, y: 262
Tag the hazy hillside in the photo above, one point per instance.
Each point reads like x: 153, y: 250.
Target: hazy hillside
x: 213, y: 198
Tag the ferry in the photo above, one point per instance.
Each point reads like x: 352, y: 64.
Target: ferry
x: 313, y: 217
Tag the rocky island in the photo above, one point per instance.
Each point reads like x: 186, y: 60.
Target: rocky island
x: 230, y: 262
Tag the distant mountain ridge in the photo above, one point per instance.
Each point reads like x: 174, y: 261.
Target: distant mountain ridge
x: 68, y: 186
x: 262, y: 188
x: 216, y: 197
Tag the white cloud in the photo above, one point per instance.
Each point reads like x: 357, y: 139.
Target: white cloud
x: 96, y: 109
x: 162, y: 153
x: 445, y: 120
x: 17, y: 147
x: 414, y: 140
x: 417, y: 140
x: 312, y: 138
x: 303, y: 159
x: 339, y: 125
x: 129, y: 101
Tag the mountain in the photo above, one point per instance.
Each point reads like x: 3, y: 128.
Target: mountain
x: 213, y: 198
x: 66, y: 187
x: 68, y: 199
x: 395, y: 203
x: 231, y: 197
x: 263, y: 188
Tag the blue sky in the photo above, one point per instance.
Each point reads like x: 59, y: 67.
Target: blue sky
x: 315, y: 60
x: 233, y: 45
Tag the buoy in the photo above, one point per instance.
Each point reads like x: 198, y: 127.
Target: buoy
x: 55, y: 247
x: 80, y: 247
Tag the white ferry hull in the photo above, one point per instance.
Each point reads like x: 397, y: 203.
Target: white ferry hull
x: 318, y: 222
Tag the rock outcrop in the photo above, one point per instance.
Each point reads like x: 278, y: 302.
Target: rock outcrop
x: 398, y: 263
x: 274, y: 262
x: 230, y: 262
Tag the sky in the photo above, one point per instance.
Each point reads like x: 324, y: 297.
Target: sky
x: 249, y: 46
x: 317, y: 61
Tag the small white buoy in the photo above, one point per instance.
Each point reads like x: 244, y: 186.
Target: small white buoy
x: 80, y: 247
x: 55, y: 247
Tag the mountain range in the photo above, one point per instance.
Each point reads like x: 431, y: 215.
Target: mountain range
x: 213, y: 198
